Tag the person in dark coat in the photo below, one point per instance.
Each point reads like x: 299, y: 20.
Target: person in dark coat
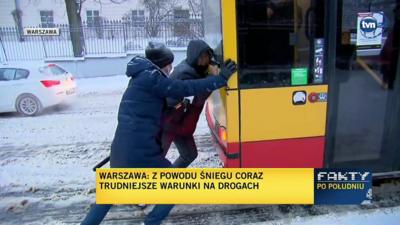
x: 389, y: 54
x: 181, y: 117
x: 137, y: 143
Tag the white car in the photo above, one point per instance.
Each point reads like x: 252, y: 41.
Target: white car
x: 30, y: 87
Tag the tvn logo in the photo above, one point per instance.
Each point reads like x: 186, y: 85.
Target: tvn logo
x: 325, y: 176
x: 42, y: 31
x: 368, y: 26
x: 369, y: 23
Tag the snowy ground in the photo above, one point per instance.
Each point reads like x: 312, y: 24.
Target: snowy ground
x: 46, y: 176
x: 46, y: 161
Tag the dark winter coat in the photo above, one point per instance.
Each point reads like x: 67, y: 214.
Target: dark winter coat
x: 136, y: 143
x: 177, y: 120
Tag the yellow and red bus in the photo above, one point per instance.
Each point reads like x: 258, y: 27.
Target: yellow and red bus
x: 307, y: 92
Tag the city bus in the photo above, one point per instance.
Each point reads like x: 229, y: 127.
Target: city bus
x: 316, y: 83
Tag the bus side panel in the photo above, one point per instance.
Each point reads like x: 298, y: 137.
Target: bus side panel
x: 279, y: 129
x: 222, y: 111
x: 290, y: 153
x: 228, y: 160
x: 271, y: 114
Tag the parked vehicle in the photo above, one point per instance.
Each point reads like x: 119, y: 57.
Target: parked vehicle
x: 29, y: 88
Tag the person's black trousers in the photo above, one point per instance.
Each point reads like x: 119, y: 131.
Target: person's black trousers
x: 186, y: 147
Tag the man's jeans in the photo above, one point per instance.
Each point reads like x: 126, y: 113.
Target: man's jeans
x: 187, y: 154
x: 155, y: 217
x: 186, y: 147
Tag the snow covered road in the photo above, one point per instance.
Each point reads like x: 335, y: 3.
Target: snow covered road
x: 46, y: 161
x: 46, y: 170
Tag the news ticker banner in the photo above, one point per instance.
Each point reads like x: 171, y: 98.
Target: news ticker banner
x: 233, y: 186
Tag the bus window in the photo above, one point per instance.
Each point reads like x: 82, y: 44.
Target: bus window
x: 212, y: 27
x: 276, y: 37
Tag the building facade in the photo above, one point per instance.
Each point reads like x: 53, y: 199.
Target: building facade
x: 47, y: 13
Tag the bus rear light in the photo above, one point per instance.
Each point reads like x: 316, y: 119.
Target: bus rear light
x: 222, y: 134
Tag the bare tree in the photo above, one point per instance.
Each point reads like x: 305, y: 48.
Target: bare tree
x: 158, y: 10
x: 196, y: 6
x: 17, y: 14
x: 75, y: 22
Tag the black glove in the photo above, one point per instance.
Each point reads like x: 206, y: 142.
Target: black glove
x: 185, y: 103
x: 229, y: 67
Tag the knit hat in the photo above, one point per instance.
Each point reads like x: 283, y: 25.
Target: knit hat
x: 159, y: 54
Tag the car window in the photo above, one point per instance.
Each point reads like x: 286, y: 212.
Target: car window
x: 52, y: 69
x: 7, y: 74
x: 56, y: 70
x: 21, y: 74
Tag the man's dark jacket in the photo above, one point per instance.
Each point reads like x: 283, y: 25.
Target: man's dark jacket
x: 136, y: 143
x: 181, y: 122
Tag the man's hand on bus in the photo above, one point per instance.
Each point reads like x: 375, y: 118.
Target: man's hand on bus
x: 227, y: 69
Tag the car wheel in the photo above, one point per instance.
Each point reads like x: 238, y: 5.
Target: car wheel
x: 28, y: 105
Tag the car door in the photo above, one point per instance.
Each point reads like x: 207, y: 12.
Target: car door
x: 7, y: 91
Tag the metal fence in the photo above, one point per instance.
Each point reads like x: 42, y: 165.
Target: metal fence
x: 101, y: 38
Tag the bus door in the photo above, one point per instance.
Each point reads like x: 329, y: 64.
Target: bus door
x: 364, y: 103
x: 282, y: 78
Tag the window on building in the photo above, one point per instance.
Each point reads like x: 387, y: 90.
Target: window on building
x: 181, y: 14
x: 93, y: 17
x: 137, y: 18
x: 47, y: 18
x: 137, y: 15
x: 182, y: 23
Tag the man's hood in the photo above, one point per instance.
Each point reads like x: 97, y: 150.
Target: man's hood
x: 194, y: 50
